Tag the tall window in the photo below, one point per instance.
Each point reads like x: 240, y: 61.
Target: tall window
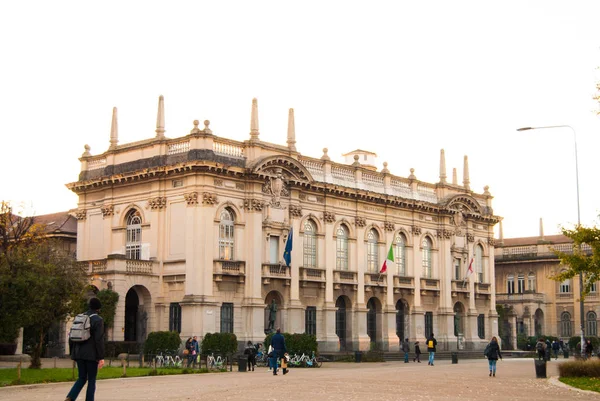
x: 521, y: 283
x: 426, y: 246
x: 594, y: 287
x: 591, y: 324
x: 341, y: 260
x: 372, y: 254
x: 227, y: 318
x: 481, y: 326
x: 457, y: 271
x: 226, y: 240
x: 400, y: 254
x: 565, y: 286
x: 310, y: 244
x: 428, y: 324
x: 479, y: 262
x: 510, y: 284
x: 565, y: 325
x: 175, y: 317
x: 531, y: 282
x: 310, y: 320
x: 133, y: 246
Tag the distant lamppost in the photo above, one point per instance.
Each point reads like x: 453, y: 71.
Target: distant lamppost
x: 581, y: 308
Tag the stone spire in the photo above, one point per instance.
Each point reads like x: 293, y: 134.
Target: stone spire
x: 114, y: 130
x: 454, y: 177
x: 466, y: 181
x: 160, y: 118
x: 442, y: 167
x: 254, y: 121
x: 291, y: 135
x: 541, y: 228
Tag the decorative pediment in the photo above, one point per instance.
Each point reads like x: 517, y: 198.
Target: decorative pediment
x: 286, y: 168
x: 464, y: 203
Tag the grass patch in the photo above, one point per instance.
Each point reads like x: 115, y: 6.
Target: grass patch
x: 583, y: 383
x: 8, y: 377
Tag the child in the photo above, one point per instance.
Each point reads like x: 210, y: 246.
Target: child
x: 417, y: 353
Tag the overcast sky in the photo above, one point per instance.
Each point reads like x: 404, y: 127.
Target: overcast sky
x: 401, y: 79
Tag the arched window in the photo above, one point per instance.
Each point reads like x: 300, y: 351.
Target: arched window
x: 426, y: 246
x: 479, y: 262
x: 510, y: 284
x: 310, y: 244
x: 341, y: 260
x: 521, y: 283
x: 592, y: 324
x: 133, y: 246
x: 372, y: 254
x: 226, y: 238
x: 400, y: 254
x: 531, y: 282
x: 565, y: 325
x: 565, y: 286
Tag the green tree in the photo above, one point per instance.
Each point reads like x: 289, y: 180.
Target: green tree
x: 39, y: 283
x: 585, y: 257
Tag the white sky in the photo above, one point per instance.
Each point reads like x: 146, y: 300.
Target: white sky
x: 402, y: 79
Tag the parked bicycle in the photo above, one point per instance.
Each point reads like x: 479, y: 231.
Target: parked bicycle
x: 217, y: 362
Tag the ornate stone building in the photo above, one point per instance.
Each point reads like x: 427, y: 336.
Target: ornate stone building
x: 535, y: 304
x: 191, y: 231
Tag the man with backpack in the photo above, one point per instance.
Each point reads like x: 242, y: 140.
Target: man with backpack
x: 86, y: 343
x: 431, y: 343
x: 540, y: 347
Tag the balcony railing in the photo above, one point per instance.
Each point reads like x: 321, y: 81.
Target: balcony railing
x: 376, y: 279
x: 524, y: 297
x: 275, y: 271
x: 118, y: 264
x: 460, y: 286
x: 482, y: 288
x: 234, y: 268
x: 312, y: 274
x: 430, y: 284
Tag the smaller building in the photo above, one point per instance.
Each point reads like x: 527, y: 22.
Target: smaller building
x: 532, y: 303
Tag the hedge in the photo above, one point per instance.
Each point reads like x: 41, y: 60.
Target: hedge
x: 297, y: 343
x: 162, y: 341
x: 219, y: 343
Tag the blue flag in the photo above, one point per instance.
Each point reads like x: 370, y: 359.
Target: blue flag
x: 287, y: 254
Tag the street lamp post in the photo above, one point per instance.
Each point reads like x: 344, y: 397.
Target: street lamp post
x: 581, y: 308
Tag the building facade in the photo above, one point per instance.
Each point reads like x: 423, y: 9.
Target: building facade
x: 191, y: 232
x: 534, y: 304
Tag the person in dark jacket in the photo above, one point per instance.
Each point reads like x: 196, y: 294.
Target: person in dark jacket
x: 89, y: 354
x: 417, y: 357
x: 431, y: 343
x: 279, y: 349
x: 493, y: 353
x: 250, y: 352
x: 405, y: 349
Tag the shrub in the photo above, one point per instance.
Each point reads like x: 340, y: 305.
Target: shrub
x: 589, y: 368
x: 219, y: 343
x: 167, y: 341
x: 574, y: 341
x: 297, y: 343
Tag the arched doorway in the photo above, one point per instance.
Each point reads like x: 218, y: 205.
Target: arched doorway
x: 402, y: 318
x: 132, y: 302
x: 373, y: 323
x: 273, y: 309
x: 459, y: 321
x: 538, y: 322
x: 340, y: 322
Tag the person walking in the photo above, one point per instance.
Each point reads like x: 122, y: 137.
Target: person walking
x: 492, y: 352
x: 250, y: 352
x: 431, y: 343
x: 417, y: 357
x: 555, y: 348
x: 589, y: 348
x: 88, y: 354
x: 405, y: 349
x: 187, y: 351
x: 279, y: 350
x: 540, y: 347
x: 195, y: 350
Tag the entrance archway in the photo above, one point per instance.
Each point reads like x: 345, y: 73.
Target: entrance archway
x: 374, y: 320
x: 402, y: 319
x: 341, y: 323
x: 137, y: 308
x: 132, y: 302
x: 538, y: 324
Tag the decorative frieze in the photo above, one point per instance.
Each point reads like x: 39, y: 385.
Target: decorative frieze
x: 329, y: 217
x: 209, y: 198
x: 81, y: 214
x: 389, y: 226
x: 491, y: 241
x: 416, y: 230
x: 254, y: 205
x: 295, y: 211
x: 159, y: 202
x: 107, y: 210
x: 470, y: 237
x: 218, y: 182
x: 443, y: 233
x: 191, y: 198
x: 360, y: 221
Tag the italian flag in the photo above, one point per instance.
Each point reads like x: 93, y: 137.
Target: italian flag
x: 390, y: 259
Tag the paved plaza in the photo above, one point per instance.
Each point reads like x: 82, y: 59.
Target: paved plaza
x: 467, y: 380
